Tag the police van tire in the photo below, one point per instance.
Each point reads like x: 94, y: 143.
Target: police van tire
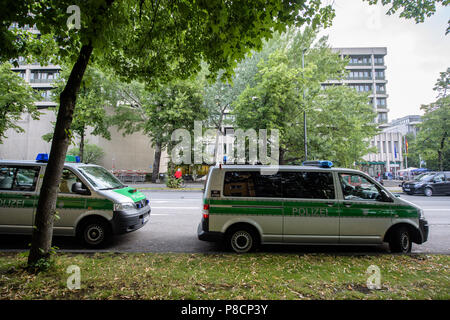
x: 94, y: 233
x: 400, y: 241
x: 242, y: 239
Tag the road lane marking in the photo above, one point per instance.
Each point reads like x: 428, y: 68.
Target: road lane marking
x: 197, y: 207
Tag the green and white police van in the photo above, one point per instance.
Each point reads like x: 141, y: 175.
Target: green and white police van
x: 92, y: 204
x: 247, y: 205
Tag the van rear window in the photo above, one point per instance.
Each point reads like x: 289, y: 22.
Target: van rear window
x: 252, y: 184
x: 308, y: 185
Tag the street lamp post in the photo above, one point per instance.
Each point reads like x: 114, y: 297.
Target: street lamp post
x: 304, y: 111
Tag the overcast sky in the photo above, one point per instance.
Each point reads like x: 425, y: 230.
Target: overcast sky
x: 416, y: 53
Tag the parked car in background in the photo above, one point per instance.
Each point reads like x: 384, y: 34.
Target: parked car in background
x: 434, y: 183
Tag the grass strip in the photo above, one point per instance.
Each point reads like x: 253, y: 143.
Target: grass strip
x: 227, y: 276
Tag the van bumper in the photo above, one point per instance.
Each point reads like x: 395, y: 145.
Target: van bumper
x: 123, y: 222
x: 211, y: 236
x: 424, y: 229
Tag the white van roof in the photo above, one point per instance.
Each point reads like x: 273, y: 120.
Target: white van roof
x: 279, y: 167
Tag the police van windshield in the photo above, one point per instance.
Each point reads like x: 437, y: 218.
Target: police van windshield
x: 100, y: 178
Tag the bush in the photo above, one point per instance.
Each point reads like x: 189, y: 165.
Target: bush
x: 92, y: 153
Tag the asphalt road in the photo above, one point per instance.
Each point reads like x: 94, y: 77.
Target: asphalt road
x: 176, y: 214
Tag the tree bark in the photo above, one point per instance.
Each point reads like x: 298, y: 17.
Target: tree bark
x: 43, y: 230
x: 156, y: 162
x: 81, y: 151
x: 281, y: 159
x: 441, y: 164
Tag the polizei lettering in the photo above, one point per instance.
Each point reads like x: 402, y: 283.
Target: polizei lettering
x: 12, y: 203
x: 310, y: 212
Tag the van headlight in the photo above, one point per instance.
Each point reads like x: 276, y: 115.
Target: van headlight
x: 421, y: 214
x: 124, y: 206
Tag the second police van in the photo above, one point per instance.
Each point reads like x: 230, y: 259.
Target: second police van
x: 92, y: 204
x: 245, y: 206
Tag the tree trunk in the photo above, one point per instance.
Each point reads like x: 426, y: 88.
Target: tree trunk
x: 441, y: 164
x: 281, y: 159
x: 81, y: 151
x: 43, y: 230
x: 156, y: 162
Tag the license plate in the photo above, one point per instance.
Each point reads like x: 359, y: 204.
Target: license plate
x: 406, y: 189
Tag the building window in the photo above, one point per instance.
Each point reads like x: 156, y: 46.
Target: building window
x: 381, y: 102
x: 379, y: 60
x: 360, y: 75
x: 360, y: 60
x: 361, y: 87
x: 46, y: 94
x: 382, y: 118
x: 379, y: 74
x: 21, y: 74
x: 44, y: 76
x: 381, y: 88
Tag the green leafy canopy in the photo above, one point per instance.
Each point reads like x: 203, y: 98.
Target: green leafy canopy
x: 16, y: 99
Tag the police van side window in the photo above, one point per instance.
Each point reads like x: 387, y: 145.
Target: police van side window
x: 67, y: 180
x: 18, y: 178
x: 251, y: 184
x: 308, y: 185
x: 6, y: 178
x: 357, y: 187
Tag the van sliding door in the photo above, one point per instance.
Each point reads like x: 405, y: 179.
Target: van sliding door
x: 311, y: 210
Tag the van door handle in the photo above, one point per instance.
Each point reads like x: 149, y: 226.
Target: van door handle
x: 347, y: 204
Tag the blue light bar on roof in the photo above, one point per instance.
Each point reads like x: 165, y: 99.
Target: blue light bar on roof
x: 318, y: 163
x: 42, y: 157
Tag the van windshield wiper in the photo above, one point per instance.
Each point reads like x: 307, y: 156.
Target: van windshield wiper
x: 111, y: 188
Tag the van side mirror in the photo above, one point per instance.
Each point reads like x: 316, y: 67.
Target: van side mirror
x: 77, y: 188
x: 385, y: 197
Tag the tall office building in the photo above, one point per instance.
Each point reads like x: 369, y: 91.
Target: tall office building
x: 366, y: 73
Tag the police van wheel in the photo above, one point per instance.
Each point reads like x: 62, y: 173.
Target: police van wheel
x: 95, y: 233
x: 242, y: 240
x: 401, y: 241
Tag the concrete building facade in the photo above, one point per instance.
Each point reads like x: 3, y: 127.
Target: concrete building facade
x: 405, y: 125
x: 388, y: 156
